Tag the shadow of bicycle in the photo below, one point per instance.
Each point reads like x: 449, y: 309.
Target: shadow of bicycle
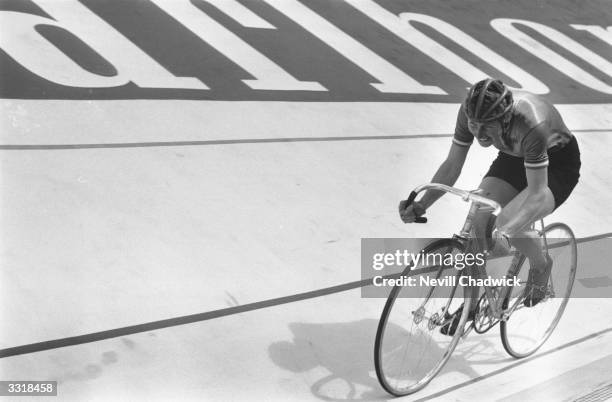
x: 336, y: 359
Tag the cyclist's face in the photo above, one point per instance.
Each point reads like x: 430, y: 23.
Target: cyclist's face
x: 486, y: 133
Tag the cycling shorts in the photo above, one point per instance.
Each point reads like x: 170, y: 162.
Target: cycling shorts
x: 563, y: 171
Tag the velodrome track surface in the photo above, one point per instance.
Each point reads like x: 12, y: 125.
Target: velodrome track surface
x: 206, y: 245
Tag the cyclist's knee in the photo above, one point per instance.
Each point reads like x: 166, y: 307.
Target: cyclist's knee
x: 483, y: 224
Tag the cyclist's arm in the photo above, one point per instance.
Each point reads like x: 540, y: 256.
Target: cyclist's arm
x: 447, y: 173
x: 534, y: 145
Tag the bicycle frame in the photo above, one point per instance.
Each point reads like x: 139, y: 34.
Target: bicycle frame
x: 493, y: 307
x: 469, y: 242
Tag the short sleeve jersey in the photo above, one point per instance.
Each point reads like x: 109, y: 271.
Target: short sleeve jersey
x: 535, y: 130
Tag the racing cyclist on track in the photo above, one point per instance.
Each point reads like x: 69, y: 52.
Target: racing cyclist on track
x: 535, y: 171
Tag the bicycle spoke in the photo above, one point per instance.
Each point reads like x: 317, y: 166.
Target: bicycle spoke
x: 406, y: 364
x: 527, y: 328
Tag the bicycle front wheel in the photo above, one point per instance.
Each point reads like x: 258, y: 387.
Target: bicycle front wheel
x: 410, y: 348
x: 527, y: 328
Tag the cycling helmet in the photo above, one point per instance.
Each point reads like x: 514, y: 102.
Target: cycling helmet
x: 488, y: 100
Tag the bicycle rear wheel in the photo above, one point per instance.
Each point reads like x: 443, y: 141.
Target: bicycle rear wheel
x: 409, y: 348
x: 527, y: 328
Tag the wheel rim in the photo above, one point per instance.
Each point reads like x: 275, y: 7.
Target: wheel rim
x: 410, y: 350
x: 529, y: 327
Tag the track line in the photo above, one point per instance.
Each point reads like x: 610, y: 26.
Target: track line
x: 513, y: 365
x: 172, y: 322
x: 189, y: 319
x: 216, y: 142
x: 51, y: 147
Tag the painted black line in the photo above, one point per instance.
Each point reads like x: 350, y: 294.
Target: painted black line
x: 171, y: 322
x: 513, y: 365
x: 593, y: 238
x: 216, y: 142
x: 51, y: 147
x: 189, y: 319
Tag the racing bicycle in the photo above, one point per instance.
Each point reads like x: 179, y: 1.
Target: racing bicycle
x: 411, y: 346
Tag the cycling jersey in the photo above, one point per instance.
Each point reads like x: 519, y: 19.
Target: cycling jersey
x: 535, y: 130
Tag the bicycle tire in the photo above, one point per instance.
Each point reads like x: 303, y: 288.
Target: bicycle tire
x: 507, y: 327
x: 380, y: 357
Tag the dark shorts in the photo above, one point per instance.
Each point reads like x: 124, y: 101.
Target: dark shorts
x: 563, y: 171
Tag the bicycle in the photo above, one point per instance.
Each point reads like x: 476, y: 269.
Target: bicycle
x: 523, y: 329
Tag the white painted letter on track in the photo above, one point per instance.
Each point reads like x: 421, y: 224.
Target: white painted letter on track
x: 35, y: 53
x: 506, y: 26
x: 268, y: 75
x: 401, y: 26
x: 30, y: 49
x: 392, y: 79
x: 596, y: 30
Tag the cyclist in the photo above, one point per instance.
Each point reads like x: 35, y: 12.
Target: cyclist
x: 535, y: 171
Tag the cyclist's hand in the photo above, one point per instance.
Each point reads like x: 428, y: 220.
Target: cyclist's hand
x: 409, y: 213
x: 406, y: 212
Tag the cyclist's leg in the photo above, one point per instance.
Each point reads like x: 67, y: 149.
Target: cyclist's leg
x: 563, y: 174
x: 502, y: 183
x: 527, y: 241
x: 498, y: 190
x: 501, y: 191
x: 506, y: 183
